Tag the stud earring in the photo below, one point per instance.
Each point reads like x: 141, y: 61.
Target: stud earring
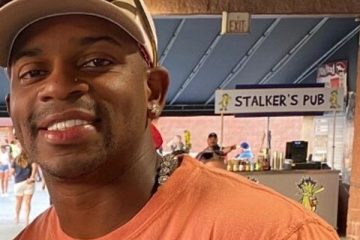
x: 75, y: 80
x: 154, y: 110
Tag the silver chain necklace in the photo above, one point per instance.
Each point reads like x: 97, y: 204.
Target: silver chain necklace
x: 168, y: 164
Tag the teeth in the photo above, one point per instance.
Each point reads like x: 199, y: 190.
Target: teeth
x: 61, y: 125
x: 67, y: 124
x: 70, y: 123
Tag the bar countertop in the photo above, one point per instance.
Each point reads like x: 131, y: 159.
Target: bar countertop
x: 290, y: 171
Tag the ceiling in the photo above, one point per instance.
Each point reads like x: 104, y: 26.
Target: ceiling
x: 278, y: 50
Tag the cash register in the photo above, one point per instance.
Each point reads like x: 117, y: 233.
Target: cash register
x: 297, y: 152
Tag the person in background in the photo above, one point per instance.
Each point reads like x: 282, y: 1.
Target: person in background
x: 213, y: 150
x: 176, y: 144
x: 4, y: 169
x: 24, y: 173
x: 85, y: 86
x: 15, y: 148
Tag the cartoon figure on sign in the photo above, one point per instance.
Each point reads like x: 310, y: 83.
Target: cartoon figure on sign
x: 308, y: 190
x: 187, y: 139
x: 334, y: 99
x: 225, y: 99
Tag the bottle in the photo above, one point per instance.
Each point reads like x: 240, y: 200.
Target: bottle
x: 228, y: 166
x: 251, y: 166
x: 247, y: 166
x: 241, y: 166
x: 257, y: 166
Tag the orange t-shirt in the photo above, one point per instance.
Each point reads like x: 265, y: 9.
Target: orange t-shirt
x: 199, y: 202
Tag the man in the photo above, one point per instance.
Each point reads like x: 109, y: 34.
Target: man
x: 213, y: 150
x: 84, y: 86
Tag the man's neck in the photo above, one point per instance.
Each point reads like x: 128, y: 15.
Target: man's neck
x: 82, y: 206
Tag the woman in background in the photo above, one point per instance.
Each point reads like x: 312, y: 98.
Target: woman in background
x: 24, y: 184
x: 4, y: 169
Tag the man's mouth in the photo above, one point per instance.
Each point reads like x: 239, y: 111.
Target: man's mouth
x: 69, y: 127
x: 67, y: 119
x: 64, y: 125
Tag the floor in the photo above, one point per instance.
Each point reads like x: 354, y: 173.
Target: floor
x: 8, y: 228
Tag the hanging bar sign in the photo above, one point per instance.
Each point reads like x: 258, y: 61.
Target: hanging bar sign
x: 278, y: 100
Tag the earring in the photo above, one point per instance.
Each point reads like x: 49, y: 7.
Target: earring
x: 75, y: 80
x: 154, y: 110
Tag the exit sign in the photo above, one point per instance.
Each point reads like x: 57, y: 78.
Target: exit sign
x: 235, y: 22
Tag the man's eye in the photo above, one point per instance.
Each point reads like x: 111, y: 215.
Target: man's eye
x: 32, y: 74
x: 97, y: 62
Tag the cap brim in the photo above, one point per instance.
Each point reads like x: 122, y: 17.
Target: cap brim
x: 19, y: 14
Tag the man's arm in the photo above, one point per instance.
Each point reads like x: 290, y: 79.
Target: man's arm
x: 228, y: 149
x: 31, y: 179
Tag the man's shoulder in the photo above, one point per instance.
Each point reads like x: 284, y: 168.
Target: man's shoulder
x: 238, y: 201
x: 229, y: 183
x: 40, y: 227
x: 231, y: 188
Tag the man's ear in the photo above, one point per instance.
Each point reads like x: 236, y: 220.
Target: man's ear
x: 158, y: 83
x: 7, y: 100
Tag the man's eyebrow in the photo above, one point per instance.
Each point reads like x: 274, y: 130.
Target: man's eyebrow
x: 25, y: 53
x: 92, y: 40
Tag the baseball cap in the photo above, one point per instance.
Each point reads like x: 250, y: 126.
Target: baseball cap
x: 244, y: 145
x: 130, y: 15
x: 212, y: 135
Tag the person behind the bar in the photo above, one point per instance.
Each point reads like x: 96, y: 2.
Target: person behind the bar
x: 84, y: 87
x: 213, y: 151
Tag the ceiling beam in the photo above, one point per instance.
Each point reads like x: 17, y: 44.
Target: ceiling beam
x: 245, y: 59
x: 161, y: 7
x: 171, y: 42
x: 187, y: 110
x: 282, y: 63
x: 3, y: 110
x: 313, y: 67
x: 196, y: 69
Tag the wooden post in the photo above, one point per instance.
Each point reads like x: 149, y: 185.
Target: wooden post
x: 222, y: 130
x: 333, y: 141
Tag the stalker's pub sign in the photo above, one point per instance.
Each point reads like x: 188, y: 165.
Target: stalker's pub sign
x: 278, y: 100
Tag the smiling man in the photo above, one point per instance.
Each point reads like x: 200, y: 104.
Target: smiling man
x: 84, y: 87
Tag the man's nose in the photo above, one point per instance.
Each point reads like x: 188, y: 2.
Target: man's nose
x: 59, y: 86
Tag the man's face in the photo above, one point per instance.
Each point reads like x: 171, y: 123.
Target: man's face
x: 212, y: 141
x: 78, y: 94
